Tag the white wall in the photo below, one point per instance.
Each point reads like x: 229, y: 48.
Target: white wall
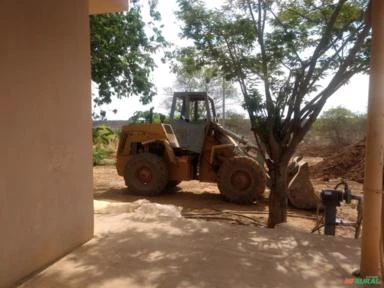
x: 45, y: 143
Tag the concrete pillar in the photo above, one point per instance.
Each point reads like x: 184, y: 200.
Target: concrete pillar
x: 373, y: 182
x: 45, y: 143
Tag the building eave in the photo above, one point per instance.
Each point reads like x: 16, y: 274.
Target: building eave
x: 107, y: 6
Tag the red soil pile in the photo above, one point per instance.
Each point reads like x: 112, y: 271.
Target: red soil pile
x: 310, y: 150
x: 348, y: 163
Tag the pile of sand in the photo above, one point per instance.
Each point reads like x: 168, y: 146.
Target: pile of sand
x: 348, y: 163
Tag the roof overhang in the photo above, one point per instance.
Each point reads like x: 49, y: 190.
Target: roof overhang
x: 107, y: 6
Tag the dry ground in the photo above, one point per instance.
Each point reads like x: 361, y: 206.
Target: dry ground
x: 203, y: 200
x: 151, y: 243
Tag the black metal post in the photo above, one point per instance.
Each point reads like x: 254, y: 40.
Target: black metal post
x: 330, y: 220
x: 330, y: 199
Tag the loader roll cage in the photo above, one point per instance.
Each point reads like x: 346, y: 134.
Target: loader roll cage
x: 194, y: 106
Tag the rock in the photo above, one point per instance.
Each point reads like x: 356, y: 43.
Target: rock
x: 301, y: 193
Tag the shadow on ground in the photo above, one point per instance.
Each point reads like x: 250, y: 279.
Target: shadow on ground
x: 162, y: 249
x: 145, y: 242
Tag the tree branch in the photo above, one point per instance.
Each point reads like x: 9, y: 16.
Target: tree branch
x: 323, y: 43
x: 285, y: 30
x: 341, y: 76
x: 259, y: 26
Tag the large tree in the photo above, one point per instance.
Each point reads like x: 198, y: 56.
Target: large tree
x: 122, y: 49
x: 288, y: 57
x: 193, y: 75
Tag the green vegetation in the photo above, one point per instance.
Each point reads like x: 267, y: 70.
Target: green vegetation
x: 336, y: 127
x: 147, y: 116
x: 288, y: 58
x: 99, y: 154
x: 103, y: 138
x: 122, y: 49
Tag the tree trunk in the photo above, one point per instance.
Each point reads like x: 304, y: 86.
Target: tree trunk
x: 278, y: 199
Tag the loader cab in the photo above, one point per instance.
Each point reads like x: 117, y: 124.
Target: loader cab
x: 191, y: 112
x: 192, y: 107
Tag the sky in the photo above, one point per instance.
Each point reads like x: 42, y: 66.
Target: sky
x: 353, y: 96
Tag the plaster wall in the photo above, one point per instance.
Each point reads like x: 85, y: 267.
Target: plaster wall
x: 45, y: 170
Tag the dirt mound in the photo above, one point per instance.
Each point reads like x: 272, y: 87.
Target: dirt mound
x: 347, y: 163
x: 310, y: 150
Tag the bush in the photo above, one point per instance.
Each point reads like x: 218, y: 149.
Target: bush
x: 102, y: 138
x: 102, y: 135
x: 338, y: 126
x: 99, y: 154
x: 147, y: 117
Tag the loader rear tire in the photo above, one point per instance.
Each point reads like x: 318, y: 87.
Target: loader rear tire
x: 241, y: 180
x: 146, y: 174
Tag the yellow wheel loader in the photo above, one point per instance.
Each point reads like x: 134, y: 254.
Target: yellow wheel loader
x: 193, y: 146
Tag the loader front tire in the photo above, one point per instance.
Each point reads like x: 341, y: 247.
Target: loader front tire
x: 173, y: 183
x: 241, y: 180
x: 146, y: 174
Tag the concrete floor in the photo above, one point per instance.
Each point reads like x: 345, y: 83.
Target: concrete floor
x: 143, y: 244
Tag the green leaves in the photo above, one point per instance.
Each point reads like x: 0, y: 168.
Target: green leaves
x: 102, y: 138
x: 147, y: 117
x: 341, y: 126
x: 102, y: 135
x: 283, y: 49
x: 99, y: 153
x: 122, y: 45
